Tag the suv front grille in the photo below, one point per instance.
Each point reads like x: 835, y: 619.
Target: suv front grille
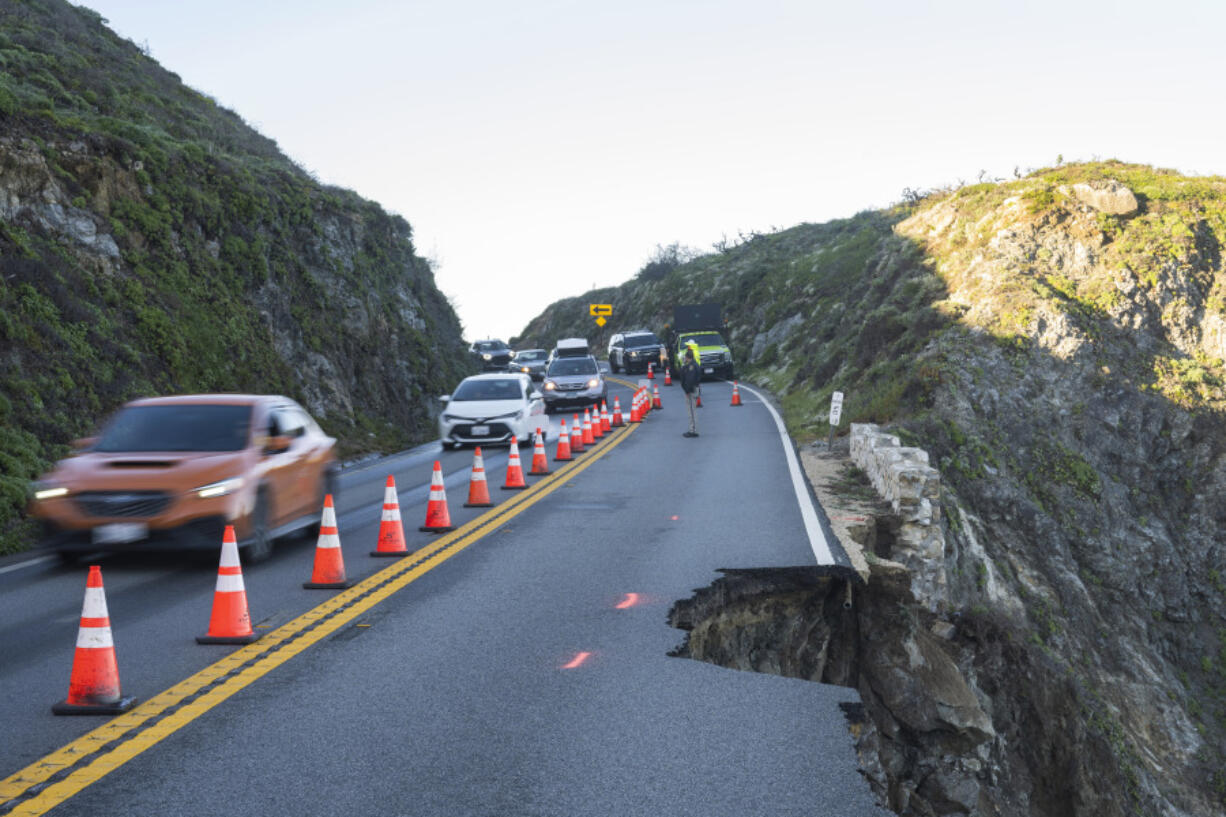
x: 712, y: 357
x: 122, y: 503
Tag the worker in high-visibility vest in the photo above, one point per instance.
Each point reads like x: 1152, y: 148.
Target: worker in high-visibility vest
x: 691, y: 378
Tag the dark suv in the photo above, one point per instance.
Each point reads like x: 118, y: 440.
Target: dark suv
x: 632, y: 351
x: 491, y: 355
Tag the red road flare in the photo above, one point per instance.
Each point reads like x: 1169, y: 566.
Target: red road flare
x: 630, y: 600
x: 577, y: 660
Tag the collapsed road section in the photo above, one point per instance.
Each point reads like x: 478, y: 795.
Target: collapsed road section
x: 957, y: 715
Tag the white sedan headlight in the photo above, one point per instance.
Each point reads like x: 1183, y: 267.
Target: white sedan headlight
x: 216, y: 489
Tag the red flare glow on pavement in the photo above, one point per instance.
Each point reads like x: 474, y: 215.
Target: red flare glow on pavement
x: 630, y: 600
x: 675, y: 518
x: 577, y: 660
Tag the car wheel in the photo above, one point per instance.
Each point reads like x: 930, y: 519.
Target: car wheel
x: 259, y: 546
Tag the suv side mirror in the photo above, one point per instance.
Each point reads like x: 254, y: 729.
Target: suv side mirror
x: 277, y: 444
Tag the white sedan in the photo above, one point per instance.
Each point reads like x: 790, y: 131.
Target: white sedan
x: 492, y: 408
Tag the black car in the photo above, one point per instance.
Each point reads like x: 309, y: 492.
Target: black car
x: 632, y: 351
x: 491, y: 355
x: 531, y: 362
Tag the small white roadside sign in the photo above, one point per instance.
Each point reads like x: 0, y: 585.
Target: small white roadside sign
x: 836, y: 407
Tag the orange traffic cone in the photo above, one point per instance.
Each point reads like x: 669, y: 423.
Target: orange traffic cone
x: 478, y: 488
x: 651, y: 371
x: 698, y: 399
x: 329, y: 572
x: 636, y: 414
x: 655, y: 396
x: 515, y: 472
x: 605, y: 426
x: 391, y: 528
x: 438, y: 519
x: 668, y: 375
x: 576, y: 436
x: 563, y: 453
x: 597, y: 431
x: 618, y: 421
x: 589, y: 437
x: 93, y: 688
x: 230, y: 622
x: 540, y: 463
x: 736, y: 395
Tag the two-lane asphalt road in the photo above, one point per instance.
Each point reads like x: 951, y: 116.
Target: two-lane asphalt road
x: 517, y: 666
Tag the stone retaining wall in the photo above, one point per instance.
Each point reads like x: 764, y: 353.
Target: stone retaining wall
x: 913, y: 488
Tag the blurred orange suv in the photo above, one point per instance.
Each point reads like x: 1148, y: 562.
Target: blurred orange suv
x: 172, y: 472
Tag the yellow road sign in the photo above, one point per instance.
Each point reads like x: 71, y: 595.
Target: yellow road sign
x: 601, y: 311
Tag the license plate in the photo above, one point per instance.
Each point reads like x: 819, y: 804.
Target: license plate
x: 120, y: 532
x: 481, y: 431
x: 708, y: 370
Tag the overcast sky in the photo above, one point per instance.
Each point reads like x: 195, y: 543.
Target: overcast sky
x: 541, y: 147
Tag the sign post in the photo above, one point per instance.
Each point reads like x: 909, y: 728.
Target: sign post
x: 836, y: 411
x: 601, y: 312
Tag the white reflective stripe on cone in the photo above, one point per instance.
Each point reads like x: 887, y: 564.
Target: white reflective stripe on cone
x: 391, y: 514
x: 95, y: 603
x: 92, y: 638
x: 329, y: 540
x: 230, y: 583
x: 229, y: 554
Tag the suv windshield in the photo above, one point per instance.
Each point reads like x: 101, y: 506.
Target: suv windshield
x: 531, y: 354
x: 177, y: 428
x: 573, y: 365
x: 505, y: 389
x: 646, y: 339
x: 707, y: 339
x: 491, y: 346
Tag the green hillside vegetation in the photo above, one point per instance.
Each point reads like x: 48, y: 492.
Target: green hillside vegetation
x: 232, y: 266
x: 873, y: 299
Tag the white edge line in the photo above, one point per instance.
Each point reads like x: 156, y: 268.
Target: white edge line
x: 27, y: 563
x: 817, y: 538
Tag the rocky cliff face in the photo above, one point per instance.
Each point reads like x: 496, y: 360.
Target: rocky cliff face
x: 152, y: 243
x: 1054, y: 344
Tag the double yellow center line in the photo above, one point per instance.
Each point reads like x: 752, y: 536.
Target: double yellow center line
x: 55, y: 778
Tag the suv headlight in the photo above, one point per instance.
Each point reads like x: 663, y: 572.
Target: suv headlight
x: 550, y: 385
x: 593, y: 383
x: 512, y: 355
x: 216, y: 489
x: 450, y: 418
x: 634, y: 354
x: 486, y: 356
x: 47, y: 490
